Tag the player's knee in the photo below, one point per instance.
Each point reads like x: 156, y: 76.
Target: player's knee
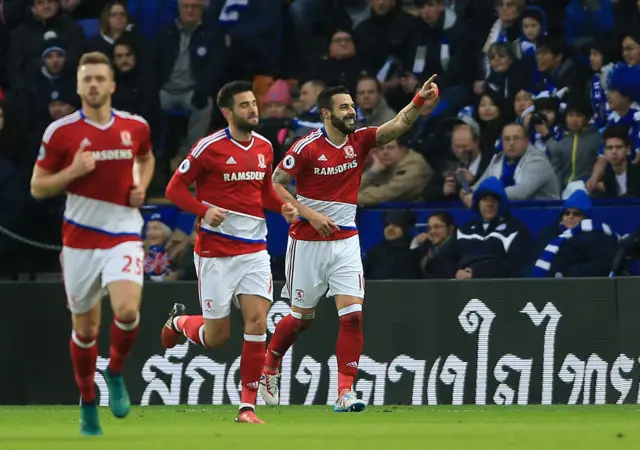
x: 86, y: 330
x: 126, y: 313
x: 351, y: 317
x: 304, y: 319
x: 255, y: 324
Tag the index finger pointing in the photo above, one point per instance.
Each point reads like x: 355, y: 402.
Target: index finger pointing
x: 430, y: 80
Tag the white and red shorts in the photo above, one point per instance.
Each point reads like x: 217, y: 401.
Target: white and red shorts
x: 88, y: 272
x: 221, y: 280
x: 313, y: 268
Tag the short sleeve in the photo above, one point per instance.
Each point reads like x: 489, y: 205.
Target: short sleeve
x: 366, y: 137
x: 145, y: 139
x: 295, y: 159
x: 52, y: 151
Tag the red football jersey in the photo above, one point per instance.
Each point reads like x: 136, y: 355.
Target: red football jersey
x: 328, y: 179
x: 231, y: 175
x: 97, y: 211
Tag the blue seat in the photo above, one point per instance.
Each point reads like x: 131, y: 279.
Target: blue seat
x: 91, y: 27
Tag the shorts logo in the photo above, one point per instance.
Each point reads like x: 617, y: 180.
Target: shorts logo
x: 208, y: 305
x: 299, y: 294
x: 253, y: 385
x: 349, y: 152
x: 262, y: 164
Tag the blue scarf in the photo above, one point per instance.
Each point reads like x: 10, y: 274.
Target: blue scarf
x: 598, y: 101
x: 543, y: 264
x: 508, y: 172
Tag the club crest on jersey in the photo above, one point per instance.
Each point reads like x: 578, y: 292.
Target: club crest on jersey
x: 349, y: 152
x: 299, y: 294
x: 125, y: 137
x: 262, y: 163
x: 208, y: 305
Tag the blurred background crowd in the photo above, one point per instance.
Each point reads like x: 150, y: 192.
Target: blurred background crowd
x: 539, y: 103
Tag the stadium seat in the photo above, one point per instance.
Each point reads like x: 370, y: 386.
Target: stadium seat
x: 91, y: 27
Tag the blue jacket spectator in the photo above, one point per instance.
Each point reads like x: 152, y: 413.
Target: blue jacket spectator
x: 254, y: 31
x: 586, y: 20
x: 206, y: 56
x: 25, y: 53
x: 495, y: 244
x: 152, y: 15
x: 577, y: 246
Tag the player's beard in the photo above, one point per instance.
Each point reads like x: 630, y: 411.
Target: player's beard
x: 342, y: 126
x: 244, y: 125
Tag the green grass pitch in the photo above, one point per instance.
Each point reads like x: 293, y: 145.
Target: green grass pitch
x: 318, y: 427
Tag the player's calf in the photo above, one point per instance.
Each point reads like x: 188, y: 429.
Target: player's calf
x: 286, y: 333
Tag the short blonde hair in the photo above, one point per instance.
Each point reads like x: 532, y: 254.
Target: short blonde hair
x: 96, y: 58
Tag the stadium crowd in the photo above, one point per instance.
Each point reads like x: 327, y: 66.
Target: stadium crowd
x: 539, y: 101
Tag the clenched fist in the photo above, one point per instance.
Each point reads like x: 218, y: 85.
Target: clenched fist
x: 215, y: 216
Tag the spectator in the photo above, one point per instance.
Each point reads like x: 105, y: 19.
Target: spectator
x: 621, y: 179
x: 53, y: 77
x: 189, y: 65
x: 441, y: 49
x: 623, y: 91
x: 601, y: 61
x: 308, y: 113
x: 505, y: 29
x: 157, y: 234
x: 626, y: 18
x: 152, y: 16
x: 576, y: 247
x: 372, y: 107
x: 392, y: 258
x: 545, y: 123
x: 25, y: 53
x: 396, y: 174
x: 470, y: 162
x: 435, y: 251
x: 573, y: 156
x: 135, y: 91
x: 494, y: 245
x: 522, y: 101
x: 115, y: 24
x: 534, y: 25
x: 491, y: 114
x: 557, y: 69
x: 507, y: 75
x: 386, y: 36
x: 185, y: 268
x: 585, y: 21
x: 525, y: 173
x: 277, y: 103
x: 342, y: 66
x: 252, y: 31
x: 631, y: 48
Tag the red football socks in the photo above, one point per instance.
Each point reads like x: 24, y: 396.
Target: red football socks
x: 349, y: 346
x: 123, y: 336
x: 286, y: 334
x: 192, y: 327
x: 84, y: 354
x: 251, y: 365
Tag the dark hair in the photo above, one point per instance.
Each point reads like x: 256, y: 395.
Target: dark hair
x: 445, y: 217
x: 230, y: 90
x: 553, y: 44
x: 125, y: 41
x: 325, y: 98
x: 617, y: 132
x: 105, y: 28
